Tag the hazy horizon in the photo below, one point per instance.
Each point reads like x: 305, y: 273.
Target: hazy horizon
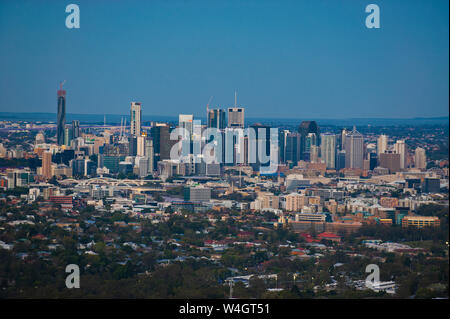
x: 247, y: 117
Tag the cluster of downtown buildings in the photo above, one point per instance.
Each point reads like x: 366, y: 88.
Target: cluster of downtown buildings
x: 145, y: 151
x: 304, y: 176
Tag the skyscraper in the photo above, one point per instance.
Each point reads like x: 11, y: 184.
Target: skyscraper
x: 236, y: 117
x: 390, y: 161
x: 76, y: 129
x: 400, y: 148
x: 305, y: 128
x: 160, y: 134
x: 143, y: 164
x: 382, y: 143
x: 292, y: 148
x: 328, y: 149
x: 216, y: 119
x: 149, y: 154
x: 311, y: 140
x: 354, y: 149
x: 261, y: 139
x: 340, y: 160
x: 47, y: 165
x: 282, y: 144
x: 140, y: 145
x: 186, y: 121
x: 420, y: 158
x: 67, y: 135
x: 135, y: 119
x: 61, y: 116
x: 342, y: 136
x: 132, y: 145
x: 314, y: 154
x: 373, y: 160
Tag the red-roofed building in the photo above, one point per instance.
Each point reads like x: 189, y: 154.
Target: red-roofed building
x: 245, y: 234
x: 309, y: 238
x: 329, y: 236
x: 39, y: 236
x: 65, y: 201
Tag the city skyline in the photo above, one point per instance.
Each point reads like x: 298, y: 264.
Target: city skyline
x: 400, y: 70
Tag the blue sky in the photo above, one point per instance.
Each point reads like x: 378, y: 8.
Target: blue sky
x: 286, y: 59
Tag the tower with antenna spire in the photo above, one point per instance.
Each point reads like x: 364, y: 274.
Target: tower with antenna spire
x: 61, y: 114
x: 236, y: 115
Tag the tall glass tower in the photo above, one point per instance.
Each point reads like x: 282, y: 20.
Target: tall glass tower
x: 61, y: 117
x: 216, y: 119
x: 135, y: 116
x: 328, y: 149
x: 305, y: 128
x: 354, y: 149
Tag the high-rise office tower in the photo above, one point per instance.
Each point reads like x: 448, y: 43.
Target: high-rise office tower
x: 354, y: 149
x: 186, y: 121
x: 420, y: 158
x: 373, y: 160
x: 282, y: 144
x: 61, y: 116
x: 149, y: 154
x: 314, y: 154
x: 328, y: 149
x: 90, y: 168
x: 340, y: 159
x: 76, y: 129
x: 311, y: 140
x: 143, y: 165
x: 135, y: 119
x: 292, y: 148
x: 342, y: 136
x: 140, y: 145
x: 390, y: 161
x: 67, y: 135
x: 160, y: 134
x: 400, y: 148
x: 236, y: 117
x: 132, y: 145
x: 79, y: 167
x: 259, y: 157
x: 234, y: 146
x: 216, y: 119
x: 382, y: 143
x: 306, y: 128
x: 47, y: 165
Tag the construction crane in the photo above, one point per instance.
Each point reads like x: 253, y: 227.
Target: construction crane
x: 120, y: 132
x: 207, y: 105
